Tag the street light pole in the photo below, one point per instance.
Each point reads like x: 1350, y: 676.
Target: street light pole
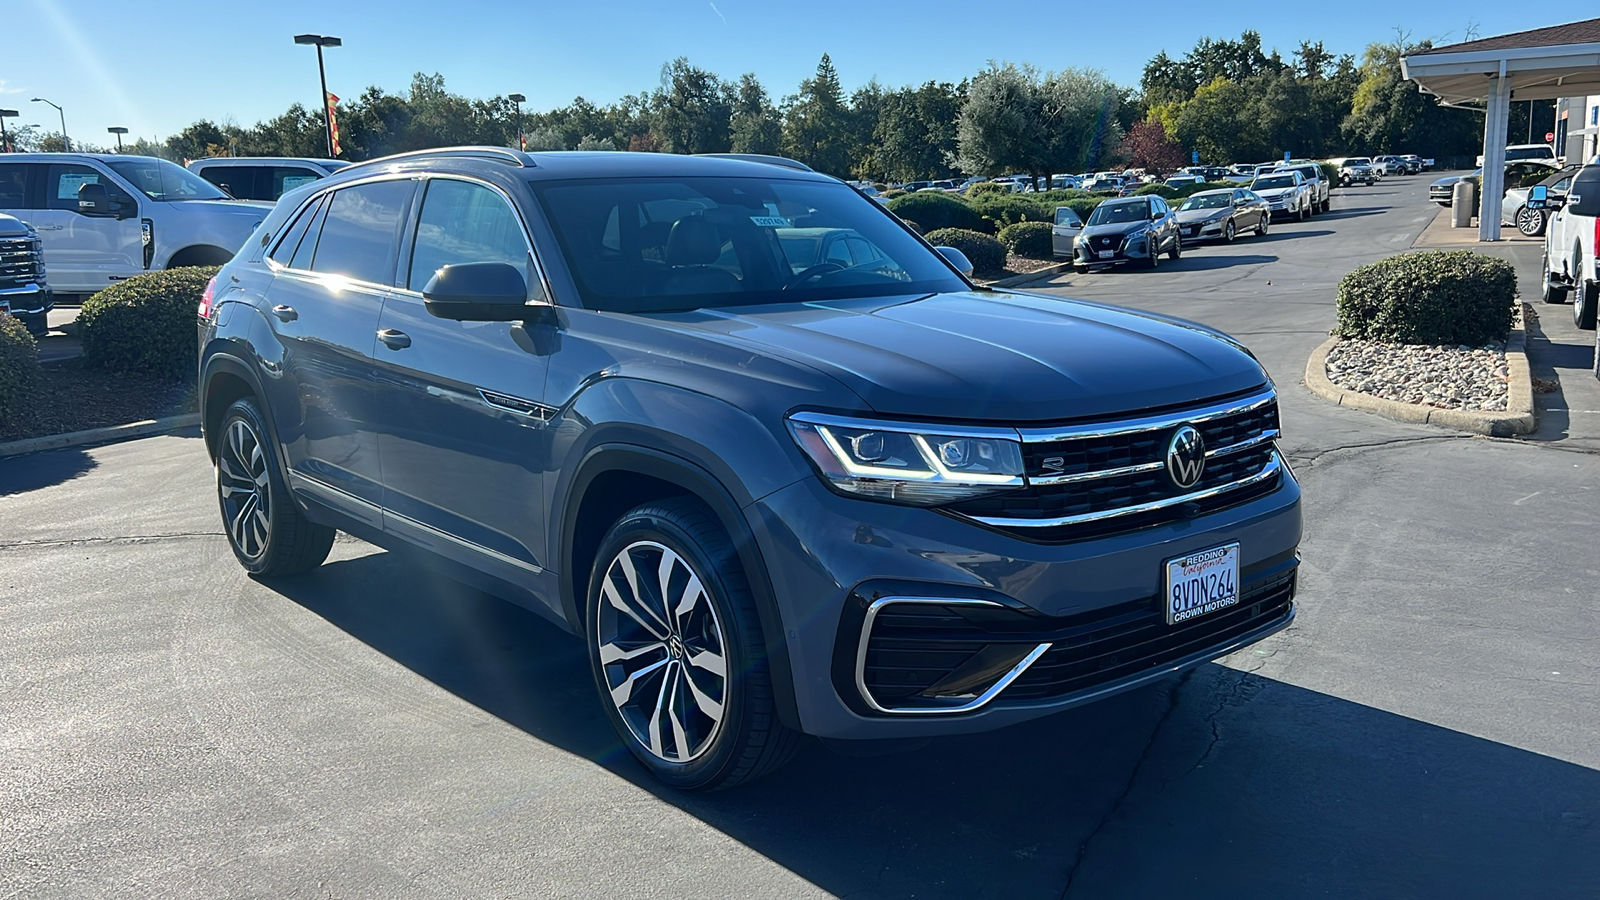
x: 119, y: 131
x: 320, y: 41
x: 516, y: 103
x: 5, y: 140
x: 66, y: 141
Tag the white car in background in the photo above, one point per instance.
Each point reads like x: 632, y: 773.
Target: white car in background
x: 1571, y: 264
x: 104, y: 218
x: 1286, y: 193
x: 263, y: 177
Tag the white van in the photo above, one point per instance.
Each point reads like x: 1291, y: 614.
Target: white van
x: 104, y: 218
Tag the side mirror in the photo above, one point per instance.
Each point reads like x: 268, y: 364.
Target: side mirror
x: 94, y: 200
x: 478, y: 292
x: 956, y: 258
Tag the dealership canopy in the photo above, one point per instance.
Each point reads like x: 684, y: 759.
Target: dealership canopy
x: 1542, y: 64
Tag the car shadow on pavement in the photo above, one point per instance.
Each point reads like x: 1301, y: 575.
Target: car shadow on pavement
x: 1216, y: 782
x: 21, y: 474
x: 1351, y: 212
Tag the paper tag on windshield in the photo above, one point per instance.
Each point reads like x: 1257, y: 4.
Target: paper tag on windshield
x: 770, y: 221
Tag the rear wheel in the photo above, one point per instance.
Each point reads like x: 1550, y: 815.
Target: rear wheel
x: 268, y: 533
x: 1530, y: 222
x: 675, y: 647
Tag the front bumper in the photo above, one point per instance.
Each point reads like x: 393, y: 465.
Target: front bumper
x: 1086, y: 612
x: 1210, y: 230
x: 31, y: 304
x: 1121, y: 249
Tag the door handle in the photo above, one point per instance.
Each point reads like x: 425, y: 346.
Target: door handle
x: 50, y: 228
x: 285, y: 313
x: 394, y: 340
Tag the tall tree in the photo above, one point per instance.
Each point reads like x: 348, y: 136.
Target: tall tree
x: 1017, y: 120
x: 1389, y: 114
x: 915, y: 137
x: 755, y: 126
x: 691, y: 110
x: 1148, y: 147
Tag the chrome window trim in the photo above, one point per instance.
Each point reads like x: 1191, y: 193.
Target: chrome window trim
x: 977, y: 703
x: 328, y: 491
x: 276, y: 267
x: 1148, y: 423
x: 1272, y: 468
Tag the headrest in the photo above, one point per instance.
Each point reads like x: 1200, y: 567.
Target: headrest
x: 693, y: 242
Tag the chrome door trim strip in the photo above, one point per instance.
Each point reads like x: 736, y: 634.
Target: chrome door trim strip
x: 328, y: 491
x: 977, y: 703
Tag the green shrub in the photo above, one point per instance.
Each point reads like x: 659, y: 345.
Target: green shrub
x: 984, y: 252
x: 145, y: 324
x: 892, y: 193
x: 936, y: 210
x: 1437, y: 297
x: 987, y: 187
x: 1030, y: 240
x: 1330, y: 173
x: 1163, y: 191
x: 1000, y: 210
x: 19, y: 367
x: 1060, y: 197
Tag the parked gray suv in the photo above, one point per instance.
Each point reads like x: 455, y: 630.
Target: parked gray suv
x: 850, y: 495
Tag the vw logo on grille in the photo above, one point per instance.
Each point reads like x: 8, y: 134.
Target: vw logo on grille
x: 1186, y: 457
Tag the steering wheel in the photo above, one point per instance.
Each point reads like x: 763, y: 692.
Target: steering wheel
x: 813, y: 272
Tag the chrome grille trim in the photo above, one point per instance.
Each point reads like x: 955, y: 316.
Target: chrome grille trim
x: 1149, y: 423
x: 1270, y: 470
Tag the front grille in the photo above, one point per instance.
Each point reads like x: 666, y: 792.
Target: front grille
x: 1107, y: 242
x: 915, y: 650
x: 1090, y: 481
x: 21, y: 262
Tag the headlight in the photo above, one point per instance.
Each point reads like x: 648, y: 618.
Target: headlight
x: 919, y: 466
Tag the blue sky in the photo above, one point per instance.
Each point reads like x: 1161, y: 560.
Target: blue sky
x: 155, y: 66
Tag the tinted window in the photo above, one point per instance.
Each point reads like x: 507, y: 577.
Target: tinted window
x: 14, y: 179
x: 283, y: 179
x: 239, y: 181
x: 359, y: 231
x: 687, y: 243
x: 308, y: 244
x: 162, y: 180
x: 284, y: 253
x: 64, y: 179
x: 462, y: 222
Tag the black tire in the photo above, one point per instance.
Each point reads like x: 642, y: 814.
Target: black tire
x: 280, y: 541
x: 1585, y: 303
x: 1227, y: 231
x: 1326, y: 204
x: 1153, y: 255
x: 1081, y: 270
x: 707, y: 753
x: 1176, y: 252
x: 1550, y: 291
x: 1530, y: 222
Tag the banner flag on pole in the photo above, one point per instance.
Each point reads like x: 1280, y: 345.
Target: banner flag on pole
x: 333, y: 122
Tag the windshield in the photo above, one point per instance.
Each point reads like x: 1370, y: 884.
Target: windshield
x: 162, y: 180
x: 1273, y: 181
x: 1530, y: 153
x: 1358, y: 161
x: 1207, y: 201
x: 673, y: 244
x: 1116, y: 213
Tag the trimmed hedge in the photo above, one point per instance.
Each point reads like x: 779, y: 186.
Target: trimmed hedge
x: 892, y: 193
x: 1083, y: 206
x: 1330, y: 173
x: 1432, y: 298
x: 934, y: 210
x: 984, y: 252
x: 146, y: 324
x: 1000, y: 210
x: 987, y: 187
x: 1030, y: 240
x: 19, y: 367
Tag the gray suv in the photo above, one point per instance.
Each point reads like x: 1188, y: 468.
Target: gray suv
x: 775, y: 492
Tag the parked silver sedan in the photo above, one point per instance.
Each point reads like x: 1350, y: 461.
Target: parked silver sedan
x: 1223, y: 214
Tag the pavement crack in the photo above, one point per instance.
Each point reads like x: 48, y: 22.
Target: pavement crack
x: 1312, y: 455
x: 1133, y: 778
x: 118, y: 539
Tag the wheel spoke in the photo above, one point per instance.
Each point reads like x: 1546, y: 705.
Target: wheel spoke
x: 674, y: 708
x: 692, y: 592
x: 710, y: 707
x: 625, y: 561
x: 655, y: 717
x: 709, y: 662
x: 609, y: 591
x: 623, y: 692
x: 610, y: 653
x: 669, y: 562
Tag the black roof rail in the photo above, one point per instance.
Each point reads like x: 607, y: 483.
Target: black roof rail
x: 494, y: 154
x: 783, y: 161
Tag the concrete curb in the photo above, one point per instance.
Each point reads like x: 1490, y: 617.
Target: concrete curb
x: 1019, y: 280
x: 1519, y: 417
x: 108, y: 435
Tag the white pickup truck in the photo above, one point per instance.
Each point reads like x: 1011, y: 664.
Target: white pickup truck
x: 1570, y: 264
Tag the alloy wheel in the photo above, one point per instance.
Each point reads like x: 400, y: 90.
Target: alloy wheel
x: 662, y: 651
x: 243, y: 485
x: 1227, y: 232
x: 1530, y: 221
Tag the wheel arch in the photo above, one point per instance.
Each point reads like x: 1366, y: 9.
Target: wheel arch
x: 614, y: 478
x: 224, y: 380
x: 199, y: 255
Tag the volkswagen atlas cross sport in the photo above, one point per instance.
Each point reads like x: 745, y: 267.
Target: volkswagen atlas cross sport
x: 779, y: 484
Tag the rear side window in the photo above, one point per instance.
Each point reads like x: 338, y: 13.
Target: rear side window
x: 14, y: 178
x: 239, y: 181
x: 281, y: 180
x: 462, y: 222
x: 359, y: 232
x: 294, y: 235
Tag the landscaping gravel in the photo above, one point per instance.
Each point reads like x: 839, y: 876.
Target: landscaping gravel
x: 1468, y: 378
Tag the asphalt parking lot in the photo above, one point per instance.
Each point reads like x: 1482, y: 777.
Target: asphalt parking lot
x: 1428, y: 728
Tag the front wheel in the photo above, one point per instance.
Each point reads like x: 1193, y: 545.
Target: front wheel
x: 1227, y: 232
x: 1585, y: 305
x: 268, y: 533
x: 676, y: 650
x: 1177, y: 248
x: 1326, y: 205
x: 1261, y: 229
x: 1530, y: 222
x: 1551, y: 291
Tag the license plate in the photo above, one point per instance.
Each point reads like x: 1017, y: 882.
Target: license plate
x: 1202, y: 583
x: 1107, y: 254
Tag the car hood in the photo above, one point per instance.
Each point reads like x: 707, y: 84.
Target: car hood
x: 1275, y: 192
x: 1188, y: 216
x: 1446, y: 181
x: 10, y: 226
x: 256, y: 208
x: 989, y: 356
x: 1115, y: 228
